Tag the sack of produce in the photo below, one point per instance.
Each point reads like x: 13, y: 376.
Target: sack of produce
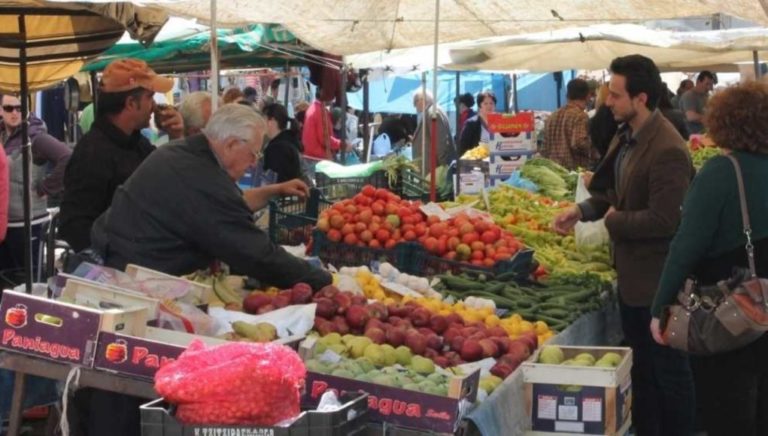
x: 592, y: 233
x: 232, y: 384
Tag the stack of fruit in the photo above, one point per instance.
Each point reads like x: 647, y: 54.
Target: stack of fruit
x: 553, y: 355
x: 478, y: 153
x: 378, y: 218
x: 446, y: 339
x: 258, y: 302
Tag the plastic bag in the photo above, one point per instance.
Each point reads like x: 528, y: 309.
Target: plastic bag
x: 232, y: 384
x: 518, y: 181
x: 591, y: 233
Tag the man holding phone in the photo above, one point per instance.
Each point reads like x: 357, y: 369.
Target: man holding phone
x: 114, y: 147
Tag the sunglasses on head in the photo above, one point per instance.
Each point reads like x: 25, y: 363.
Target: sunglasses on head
x: 11, y: 108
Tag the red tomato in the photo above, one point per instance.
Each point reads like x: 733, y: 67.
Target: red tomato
x: 382, y: 194
x: 420, y: 229
x: 337, y: 221
x: 501, y: 256
x: 469, y: 238
x: 453, y: 242
x: 488, y: 236
x: 369, y: 191
x: 396, y: 235
x: 433, y: 219
x: 489, y: 262
x: 391, y: 208
x: 382, y: 235
x: 437, y: 229
x: 451, y: 255
x: 430, y: 244
x: 477, y: 246
x: 366, y: 236
x: 477, y: 262
x: 374, y: 243
x: 378, y: 208
x: 466, y: 228
x: 478, y: 255
x: 334, y: 235
x: 390, y: 244
x: 365, y: 216
x: 350, y: 239
x: 347, y: 229
x: 374, y: 227
x: 359, y: 227
x: 403, y: 212
x: 442, y: 247
x: 453, y: 231
x: 409, y: 235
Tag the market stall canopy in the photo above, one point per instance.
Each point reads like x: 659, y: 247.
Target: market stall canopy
x: 253, y: 46
x: 594, y: 47
x: 589, y: 48
x: 357, y: 26
x: 56, y: 39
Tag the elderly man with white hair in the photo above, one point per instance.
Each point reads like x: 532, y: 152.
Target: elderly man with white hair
x: 446, y: 147
x: 195, y: 109
x: 182, y: 209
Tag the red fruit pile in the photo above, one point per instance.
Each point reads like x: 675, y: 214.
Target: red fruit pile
x: 447, y: 340
x: 378, y: 218
x: 260, y: 302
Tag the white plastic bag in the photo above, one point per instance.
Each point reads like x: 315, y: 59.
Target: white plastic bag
x: 589, y: 233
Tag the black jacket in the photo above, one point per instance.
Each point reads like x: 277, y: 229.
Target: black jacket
x: 281, y: 155
x: 677, y: 118
x: 180, y: 211
x: 602, y: 128
x: 470, y: 135
x: 103, y: 159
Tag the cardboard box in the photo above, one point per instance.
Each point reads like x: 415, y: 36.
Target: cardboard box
x: 141, y: 357
x: 92, y: 294
x: 157, y: 419
x: 499, y: 167
x: 600, y: 404
x: 60, y: 331
x: 401, y: 407
x: 472, y: 176
x: 521, y: 143
x: 198, y: 292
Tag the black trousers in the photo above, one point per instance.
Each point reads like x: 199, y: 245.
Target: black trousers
x: 663, y: 399
x: 94, y: 412
x: 12, y: 252
x: 732, y: 390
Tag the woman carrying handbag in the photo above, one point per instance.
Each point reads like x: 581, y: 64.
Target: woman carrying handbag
x: 713, y: 245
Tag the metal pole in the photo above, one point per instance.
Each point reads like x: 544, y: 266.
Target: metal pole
x: 756, y: 62
x: 424, y: 124
x: 433, y: 154
x: 366, y: 119
x: 343, y: 120
x: 287, y: 83
x: 514, y: 95
x: 458, y: 109
x: 214, y: 59
x: 26, y: 152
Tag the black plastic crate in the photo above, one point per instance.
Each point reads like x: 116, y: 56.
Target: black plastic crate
x: 339, y: 254
x: 428, y: 265
x: 157, y: 419
x: 340, y: 188
x: 291, y: 219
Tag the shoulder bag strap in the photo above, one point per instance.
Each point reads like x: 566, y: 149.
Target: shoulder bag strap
x: 744, y: 216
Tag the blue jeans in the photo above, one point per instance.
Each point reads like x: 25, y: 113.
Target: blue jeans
x: 663, y: 400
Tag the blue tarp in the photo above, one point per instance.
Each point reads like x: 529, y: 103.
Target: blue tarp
x: 539, y: 91
x: 394, y: 94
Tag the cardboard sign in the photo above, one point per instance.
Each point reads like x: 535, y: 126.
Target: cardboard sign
x: 511, y: 123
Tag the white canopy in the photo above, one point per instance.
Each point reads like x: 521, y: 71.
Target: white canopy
x: 358, y: 26
x: 589, y: 48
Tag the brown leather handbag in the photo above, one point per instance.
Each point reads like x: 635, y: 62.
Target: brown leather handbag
x: 725, y: 316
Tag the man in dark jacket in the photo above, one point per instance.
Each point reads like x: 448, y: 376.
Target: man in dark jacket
x: 49, y: 159
x: 114, y: 147
x: 200, y: 215
x: 639, y: 188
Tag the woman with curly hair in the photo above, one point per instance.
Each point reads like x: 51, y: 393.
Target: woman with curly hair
x: 731, y: 387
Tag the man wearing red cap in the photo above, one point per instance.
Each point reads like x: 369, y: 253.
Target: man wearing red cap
x: 114, y: 147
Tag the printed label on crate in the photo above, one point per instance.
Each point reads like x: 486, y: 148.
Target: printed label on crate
x: 219, y: 431
x: 505, y: 168
x: 392, y: 405
x: 133, y: 356
x: 45, y: 328
x: 521, y: 143
x: 511, y: 123
x: 472, y: 183
x: 570, y: 408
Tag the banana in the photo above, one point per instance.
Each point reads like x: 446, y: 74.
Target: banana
x: 225, y: 293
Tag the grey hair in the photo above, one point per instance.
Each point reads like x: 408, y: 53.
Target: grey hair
x: 428, y: 99
x: 191, y: 109
x: 233, y: 120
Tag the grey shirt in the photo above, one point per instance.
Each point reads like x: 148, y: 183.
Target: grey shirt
x: 694, y: 101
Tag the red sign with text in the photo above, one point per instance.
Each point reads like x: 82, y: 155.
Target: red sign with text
x: 511, y: 123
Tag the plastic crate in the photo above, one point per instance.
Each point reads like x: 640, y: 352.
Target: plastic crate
x: 346, y: 187
x: 339, y: 254
x: 157, y: 419
x: 427, y: 265
x: 292, y: 220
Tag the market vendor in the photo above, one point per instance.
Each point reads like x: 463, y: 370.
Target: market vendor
x: 181, y: 210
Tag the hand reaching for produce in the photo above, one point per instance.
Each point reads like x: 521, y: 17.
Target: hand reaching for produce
x: 294, y: 187
x: 656, y: 332
x: 565, y: 222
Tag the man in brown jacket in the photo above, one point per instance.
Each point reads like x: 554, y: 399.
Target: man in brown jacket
x: 639, y: 188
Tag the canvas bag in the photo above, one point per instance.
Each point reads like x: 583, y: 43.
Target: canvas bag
x: 726, y: 316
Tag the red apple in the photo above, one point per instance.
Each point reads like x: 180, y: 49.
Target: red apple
x: 498, y: 332
x: 456, y: 343
x: 266, y: 308
x: 396, y: 336
x: 438, y: 323
x: 282, y: 299
x: 326, y: 307
x: 519, y: 349
x: 442, y: 361
x: 344, y: 301
x: 501, y: 370
x: 374, y: 323
x: 420, y: 317
x: 530, y: 339
x: 416, y: 342
x: 255, y: 300
x: 376, y: 334
x: 435, y: 342
x: 454, y: 318
x: 379, y: 311
x: 328, y: 291
x: 502, y: 343
x: 431, y: 353
x: 489, y: 348
x: 359, y: 300
x: 341, y: 325
x: 471, y: 350
x: 451, y: 333
x: 301, y: 293
x: 357, y: 316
